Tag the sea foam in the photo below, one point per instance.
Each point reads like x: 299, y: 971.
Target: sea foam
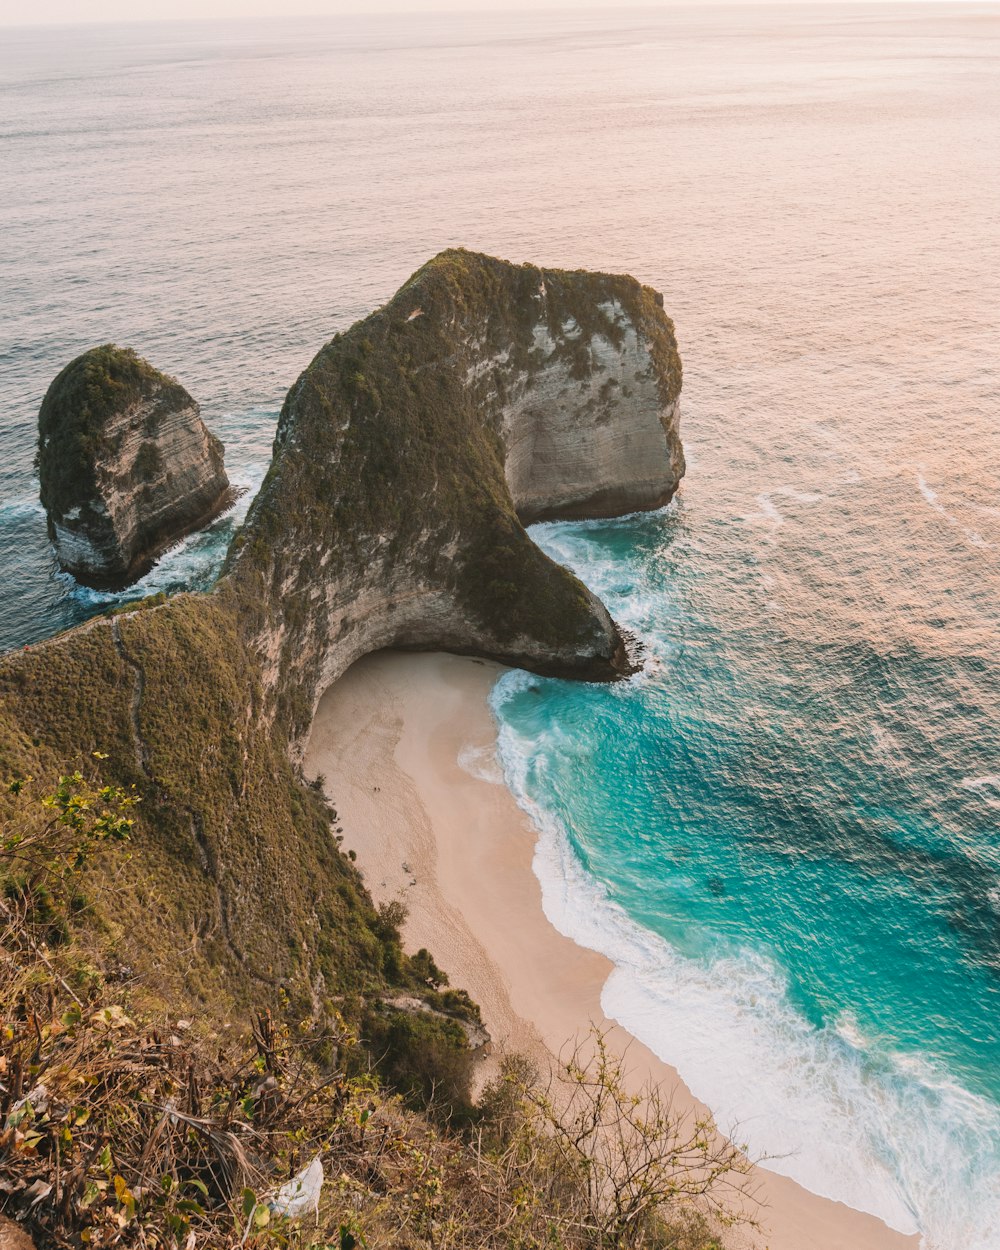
x: 850, y: 1116
x: 191, y: 564
x: 884, y: 1132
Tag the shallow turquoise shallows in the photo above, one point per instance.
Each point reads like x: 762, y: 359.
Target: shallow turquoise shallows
x: 783, y: 834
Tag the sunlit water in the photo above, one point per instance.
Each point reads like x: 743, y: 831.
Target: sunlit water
x: 784, y: 832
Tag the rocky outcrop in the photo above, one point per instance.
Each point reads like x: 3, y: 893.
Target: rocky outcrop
x: 126, y: 466
x: 414, y: 448
x: 593, y: 431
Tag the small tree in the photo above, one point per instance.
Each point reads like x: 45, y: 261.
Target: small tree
x: 620, y: 1165
x: 45, y: 843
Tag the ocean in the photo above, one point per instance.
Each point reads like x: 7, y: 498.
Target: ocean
x: 784, y: 831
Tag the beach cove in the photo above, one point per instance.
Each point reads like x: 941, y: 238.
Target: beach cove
x: 406, y: 744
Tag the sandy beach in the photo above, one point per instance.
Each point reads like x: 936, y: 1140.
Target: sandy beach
x: 455, y: 847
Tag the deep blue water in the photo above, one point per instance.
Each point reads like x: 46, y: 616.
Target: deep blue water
x: 785, y: 831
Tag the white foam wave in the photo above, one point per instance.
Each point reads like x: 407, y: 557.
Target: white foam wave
x: 769, y: 513
x: 641, y: 604
x: 21, y: 510
x: 193, y: 563
x: 990, y: 784
x: 977, y: 783
x: 886, y: 1133
x: 481, y: 763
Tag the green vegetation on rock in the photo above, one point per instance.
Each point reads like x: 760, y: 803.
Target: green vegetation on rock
x: 74, y: 412
x: 126, y: 466
x: 389, y: 470
x: 234, y: 859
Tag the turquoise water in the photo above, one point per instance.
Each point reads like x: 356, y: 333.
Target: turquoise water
x: 786, y: 831
x: 784, y: 835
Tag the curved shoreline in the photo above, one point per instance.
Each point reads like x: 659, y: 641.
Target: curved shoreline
x: 388, y: 738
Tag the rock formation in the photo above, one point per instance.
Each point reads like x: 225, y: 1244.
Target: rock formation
x: 413, y: 448
x: 126, y: 466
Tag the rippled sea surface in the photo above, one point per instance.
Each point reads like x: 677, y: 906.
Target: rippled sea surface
x: 785, y: 832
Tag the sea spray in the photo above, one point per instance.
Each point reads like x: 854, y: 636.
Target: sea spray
x: 194, y: 563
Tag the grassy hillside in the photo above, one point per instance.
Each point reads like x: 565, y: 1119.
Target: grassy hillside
x: 235, y: 894
x: 118, y: 1129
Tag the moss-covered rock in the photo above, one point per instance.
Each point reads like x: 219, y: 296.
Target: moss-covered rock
x: 126, y: 466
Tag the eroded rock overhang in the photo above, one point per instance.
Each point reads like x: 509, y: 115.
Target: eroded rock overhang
x: 414, y: 449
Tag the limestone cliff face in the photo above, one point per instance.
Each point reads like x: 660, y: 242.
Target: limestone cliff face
x: 593, y: 432
x: 414, y: 448
x: 126, y: 466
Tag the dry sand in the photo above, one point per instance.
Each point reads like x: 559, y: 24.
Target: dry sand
x: 457, y: 849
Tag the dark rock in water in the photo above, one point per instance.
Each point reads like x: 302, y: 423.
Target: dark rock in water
x: 126, y: 466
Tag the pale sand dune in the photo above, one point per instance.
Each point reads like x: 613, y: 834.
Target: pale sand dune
x: 458, y: 850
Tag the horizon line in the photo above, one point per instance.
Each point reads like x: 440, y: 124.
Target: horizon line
x: 573, y: 7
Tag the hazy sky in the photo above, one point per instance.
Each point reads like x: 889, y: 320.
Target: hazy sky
x: 18, y: 12
x: 32, y: 12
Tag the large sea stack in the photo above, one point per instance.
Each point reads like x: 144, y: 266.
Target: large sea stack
x: 415, y: 448
x: 126, y: 466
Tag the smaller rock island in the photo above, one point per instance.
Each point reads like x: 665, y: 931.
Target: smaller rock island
x: 126, y: 466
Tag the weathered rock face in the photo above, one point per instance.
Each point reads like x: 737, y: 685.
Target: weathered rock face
x: 595, y: 435
x: 413, y: 448
x: 126, y: 466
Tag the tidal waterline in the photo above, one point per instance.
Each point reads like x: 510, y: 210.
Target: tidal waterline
x: 787, y: 847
